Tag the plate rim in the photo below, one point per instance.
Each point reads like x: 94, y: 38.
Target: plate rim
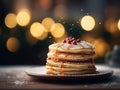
x: 100, y: 73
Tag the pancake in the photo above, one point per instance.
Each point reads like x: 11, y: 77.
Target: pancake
x: 68, y: 64
x: 76, y: 72
x: 71, y: 58
x: 69, y: 69
x: 64, y: 47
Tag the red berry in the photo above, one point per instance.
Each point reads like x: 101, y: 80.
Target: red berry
x: 74, y: 42
x: 78, y: 40
x: 64, y: 41
x: 68, y: 41
x: 72, y: 39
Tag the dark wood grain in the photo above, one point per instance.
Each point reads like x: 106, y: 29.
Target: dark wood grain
x: 14, y: 77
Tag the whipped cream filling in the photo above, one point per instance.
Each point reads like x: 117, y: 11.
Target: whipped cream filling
x: 66, y: 46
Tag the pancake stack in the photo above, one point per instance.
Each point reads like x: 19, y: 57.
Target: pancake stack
x: 71, y: 57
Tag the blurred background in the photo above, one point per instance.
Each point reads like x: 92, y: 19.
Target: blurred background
x: 28, y: 27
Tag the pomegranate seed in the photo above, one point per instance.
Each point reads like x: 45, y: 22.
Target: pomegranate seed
x: 64, y: 41
x: 74, y: 42
x: 72, y: 39
x: 69, y: 41
x: 78, y: 40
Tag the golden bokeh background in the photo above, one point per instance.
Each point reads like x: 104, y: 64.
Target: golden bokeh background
x: 28, y: 27
x: 13, y: 44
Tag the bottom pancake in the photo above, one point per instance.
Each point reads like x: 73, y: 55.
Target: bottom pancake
x: 69, y: 71
x: 69, y: 68
x: 49, y: 71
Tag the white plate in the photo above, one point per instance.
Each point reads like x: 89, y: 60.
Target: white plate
x: 40, y: 73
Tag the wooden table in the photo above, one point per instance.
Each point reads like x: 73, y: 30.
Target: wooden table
x: 14, y: 77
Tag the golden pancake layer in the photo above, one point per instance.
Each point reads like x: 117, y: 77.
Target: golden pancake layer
x: 71, y: 59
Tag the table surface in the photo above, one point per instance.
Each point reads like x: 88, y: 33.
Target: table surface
x: 14, y: 77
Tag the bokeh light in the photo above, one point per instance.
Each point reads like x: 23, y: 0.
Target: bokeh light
x: 101, y: 47
x: 45, y: 4
x: 10, y: 20
x: 87, y: 22
x: 48, y: 22
x: 57, y: 40
x: 23, y: 17
x: 13, y: 44
x: 88, y: 38
x: 57, y: 30
x: 43, y: 36
x: 118, y: 24
x: 60, y: 11
x: 111, y: 26
x: 38, y: 31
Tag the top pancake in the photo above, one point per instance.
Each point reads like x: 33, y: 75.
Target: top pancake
x: 81, y: 47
